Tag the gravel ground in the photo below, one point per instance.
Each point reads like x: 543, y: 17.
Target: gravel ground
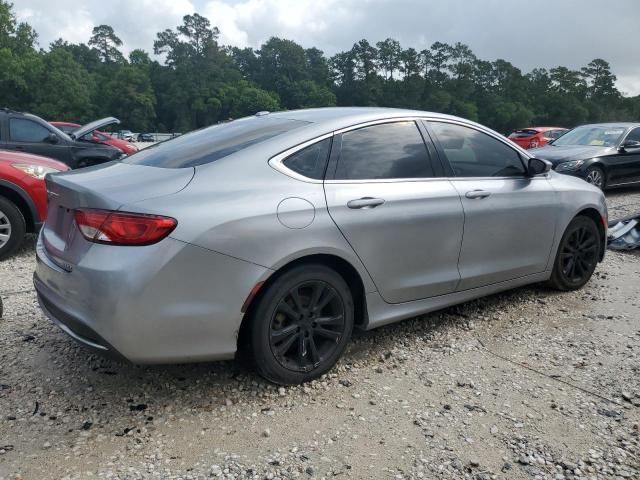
x: 529, y: 384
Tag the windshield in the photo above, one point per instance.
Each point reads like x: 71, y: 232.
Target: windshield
x: 590, y: 135
x: 212, y: 143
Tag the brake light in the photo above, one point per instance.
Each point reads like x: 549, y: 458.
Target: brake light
x: 123, y: 228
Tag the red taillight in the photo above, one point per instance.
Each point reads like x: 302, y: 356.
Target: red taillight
x: 123, y: 228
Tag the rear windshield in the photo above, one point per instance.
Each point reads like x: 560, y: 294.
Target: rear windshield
x: 212, y: 143
x: 523, y: 133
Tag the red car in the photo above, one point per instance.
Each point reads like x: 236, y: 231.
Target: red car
x: 535, y: 137
x: 23, y: 196
x: 99, y: 137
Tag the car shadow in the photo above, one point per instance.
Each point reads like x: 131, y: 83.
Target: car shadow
x: 216, y: 382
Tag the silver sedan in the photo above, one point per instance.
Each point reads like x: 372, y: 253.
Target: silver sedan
x: 282, y: 232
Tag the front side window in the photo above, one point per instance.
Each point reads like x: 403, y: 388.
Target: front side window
x: 386, y: 151
x: 23, y: 130
x: 634, y: 135
x: 311, y: 161
x: 472, y: 153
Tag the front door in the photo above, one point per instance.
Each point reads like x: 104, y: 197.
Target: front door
x: 26, y: 135
x: 403, y: 222
x: 510, y: 218
x: 627, y: 161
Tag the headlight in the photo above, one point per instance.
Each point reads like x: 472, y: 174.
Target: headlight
x: 35, y: 171
x: 573, y: 165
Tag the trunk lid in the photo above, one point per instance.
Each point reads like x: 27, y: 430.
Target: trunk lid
x: 108, y: 187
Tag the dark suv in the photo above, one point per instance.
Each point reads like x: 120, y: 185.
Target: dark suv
x: 24, y: 132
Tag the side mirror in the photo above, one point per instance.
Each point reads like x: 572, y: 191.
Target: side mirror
x: 629, y: 145
x: 537, y: 166
x: 52, y: 138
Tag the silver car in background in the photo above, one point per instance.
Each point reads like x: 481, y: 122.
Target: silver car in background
x: 283, y: 231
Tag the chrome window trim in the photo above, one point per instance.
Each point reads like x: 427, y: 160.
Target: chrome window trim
x: 276, y: 162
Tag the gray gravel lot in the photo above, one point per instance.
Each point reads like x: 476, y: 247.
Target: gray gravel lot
x: 529, y: 384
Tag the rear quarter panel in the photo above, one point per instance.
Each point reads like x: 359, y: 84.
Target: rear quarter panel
x: 241, y: 207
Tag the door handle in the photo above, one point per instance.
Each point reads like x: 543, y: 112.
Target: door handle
x: 477, y: 194
x: 365, y: 202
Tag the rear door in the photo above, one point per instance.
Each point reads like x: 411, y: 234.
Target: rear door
x: 27, y: 135
x: 386, y: 195
x: 510, y: 218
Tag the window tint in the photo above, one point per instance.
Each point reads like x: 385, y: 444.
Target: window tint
x: 213, y: 143
x: 390, y: 150
x: 310, y: 162
x: 22, y: 130
x: 475, y: 154
x: 634, y: 135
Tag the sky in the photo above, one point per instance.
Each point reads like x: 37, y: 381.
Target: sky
x: 527, y: 33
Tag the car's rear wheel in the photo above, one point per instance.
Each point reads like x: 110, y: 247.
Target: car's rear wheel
x: 12, y: 228
x: 577, y: 255
x: 301, y: 324
x: 596, y: 177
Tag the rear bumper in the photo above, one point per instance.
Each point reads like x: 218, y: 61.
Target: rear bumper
x: 167, y: 303
x: 73, y: 327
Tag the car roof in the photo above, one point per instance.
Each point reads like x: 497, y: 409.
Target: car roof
x: 338, y: 117
x: 613, y: 125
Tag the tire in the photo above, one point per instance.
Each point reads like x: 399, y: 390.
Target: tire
x: 12, y: 228
x: 595, y: 176
x: 292, y: 341
x: 577, y: 255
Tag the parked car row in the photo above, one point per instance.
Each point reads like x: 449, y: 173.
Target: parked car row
x: 605, y: 155
x: 23, y: 132
x: 97, y: 137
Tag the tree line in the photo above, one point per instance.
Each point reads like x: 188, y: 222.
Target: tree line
x: 193, y: 81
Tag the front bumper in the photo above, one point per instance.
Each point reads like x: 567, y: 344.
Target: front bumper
x: 580, y: 172
x: 166, y: 303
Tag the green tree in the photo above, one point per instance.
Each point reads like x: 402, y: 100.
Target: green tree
x: 104, y: 39
x: 67, y: 95
x: 131, y: 97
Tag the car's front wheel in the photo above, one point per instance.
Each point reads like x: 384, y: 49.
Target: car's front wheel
x: 577, y: 255
x: 596, y: 177
x: 12, y: 227
x: 301, y: 324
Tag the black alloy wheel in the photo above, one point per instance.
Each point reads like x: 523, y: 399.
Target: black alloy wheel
x: 578, y: 254
x: 301, y: 324
x: 307, y: 325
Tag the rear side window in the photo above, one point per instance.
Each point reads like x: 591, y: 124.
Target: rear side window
x: 212, y: 143
x: 22, y: 130
x: 311, y: 161
x: 386, y: 151
x: 472, y: 153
